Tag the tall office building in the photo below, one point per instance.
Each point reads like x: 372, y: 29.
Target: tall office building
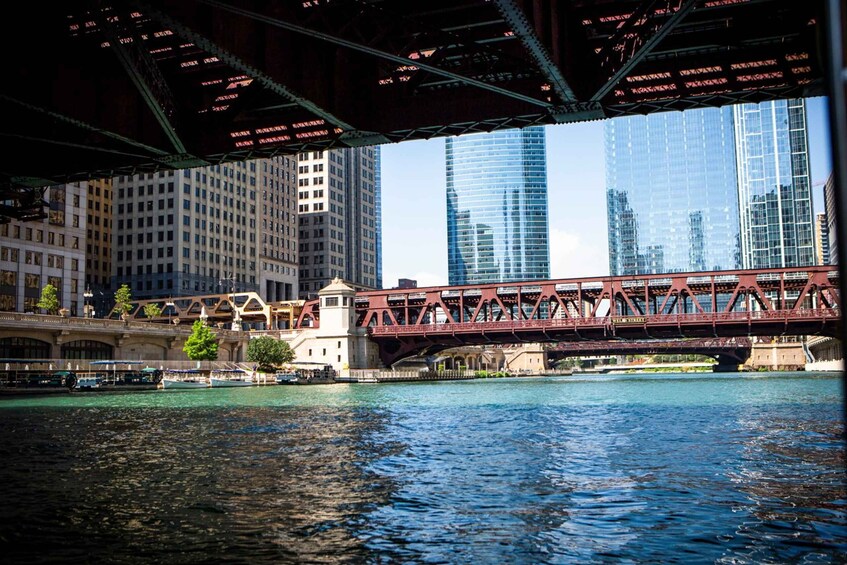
x: 98, y: 235
x: 338, y: 225
x: 497, y: 227
x: 671, y: 192
x: 709, y: 189
x: 222, y: 228
x: 378, y: 208
x: 831, y: 212
x: 821, y: 239
x: 774, y: 184
x: 99, y: 293
x: 278, y: 229
x: 46, y: 251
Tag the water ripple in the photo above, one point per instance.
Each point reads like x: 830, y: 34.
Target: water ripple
x: 749, y: 470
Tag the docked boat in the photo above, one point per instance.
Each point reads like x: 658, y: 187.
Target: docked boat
x: 184, y: 378
x: 117, y: 375
x: 286, y: 377
x: 321, y: 376
x: 88, y: 381
x: 230, y: 378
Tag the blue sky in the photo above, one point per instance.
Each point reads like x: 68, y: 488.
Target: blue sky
x: 414, y: 202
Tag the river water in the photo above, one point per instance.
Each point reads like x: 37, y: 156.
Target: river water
x: 630, y: 468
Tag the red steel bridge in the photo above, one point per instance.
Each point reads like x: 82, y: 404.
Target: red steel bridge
x: 770, y: 302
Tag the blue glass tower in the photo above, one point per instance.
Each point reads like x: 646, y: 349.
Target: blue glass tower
x: 774, y: 184
x: 497, y: 207
x: 710, y: 189
x: 672, y: 192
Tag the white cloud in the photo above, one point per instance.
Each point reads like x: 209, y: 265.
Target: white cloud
x: 572, y: 255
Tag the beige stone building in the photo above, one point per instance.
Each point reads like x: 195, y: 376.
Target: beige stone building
x: 51, y: 250
x: 338, y: 218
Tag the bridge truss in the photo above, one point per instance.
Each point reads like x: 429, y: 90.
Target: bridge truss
x: 224, y: 309
x: 803, y: 301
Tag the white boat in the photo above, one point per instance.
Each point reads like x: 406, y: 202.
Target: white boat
x: 188, y: 378
x: 230, y: 378
x: 88, y: 381
x: 285, y: 377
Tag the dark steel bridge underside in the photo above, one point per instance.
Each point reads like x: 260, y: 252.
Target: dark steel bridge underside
x: 95, y: 90
x: 731, y: 351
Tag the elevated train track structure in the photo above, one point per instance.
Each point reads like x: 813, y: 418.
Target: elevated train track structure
x: 713, y: 313
x: 771, y: 302
x: 97, y: 90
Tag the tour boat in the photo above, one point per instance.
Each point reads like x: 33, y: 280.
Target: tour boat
x: 230, y: 378
x: 286, y: 377
x: 319, y: 376
x: 184, y: 378
x: 89, y: 381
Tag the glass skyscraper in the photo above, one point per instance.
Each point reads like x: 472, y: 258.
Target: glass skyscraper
x: 774, y: 184
x: 497, y: 207
x: 671, y: 192
x: 709, y: 189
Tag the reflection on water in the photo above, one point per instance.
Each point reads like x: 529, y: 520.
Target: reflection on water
x: 743, y: 470
x: 187, y: 485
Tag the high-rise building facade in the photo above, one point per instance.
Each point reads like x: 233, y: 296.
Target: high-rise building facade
x: 51, y: 251
x: 222, y: 228
x: 709, y: 189
x: 831, y: 212
x: 98, y: 235
x: 497, y: 228
x: 672, y: 192
x: 278, y: 229
x: 98, y: 293
x: 774, y: 184
x: 378, y: 212
x: 821, y: 239
x: 337, y: 217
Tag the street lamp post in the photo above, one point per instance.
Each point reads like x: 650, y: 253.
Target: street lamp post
x: 87, y: 307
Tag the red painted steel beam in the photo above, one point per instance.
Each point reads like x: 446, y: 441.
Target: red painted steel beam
x: 798, y: 301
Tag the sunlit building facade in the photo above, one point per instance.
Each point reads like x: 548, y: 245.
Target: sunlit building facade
x: 278, y: 229
x: 774, y: 184
x: 99, y: 293
x: 710, y: 189
x: 821, y: 239
x: 338, y: 222
x: 208, y: 230
x: 831, y: 212
x: 45, y: 251
x: 672, y: 192
x: 378, y: 212
x: 497, y: 228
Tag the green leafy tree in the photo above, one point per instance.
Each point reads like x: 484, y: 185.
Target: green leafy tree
x: 123, y: 300
x: 201, y: 345
x: 152, y: 310
x: 269, y: 353
x: 49, y: 299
